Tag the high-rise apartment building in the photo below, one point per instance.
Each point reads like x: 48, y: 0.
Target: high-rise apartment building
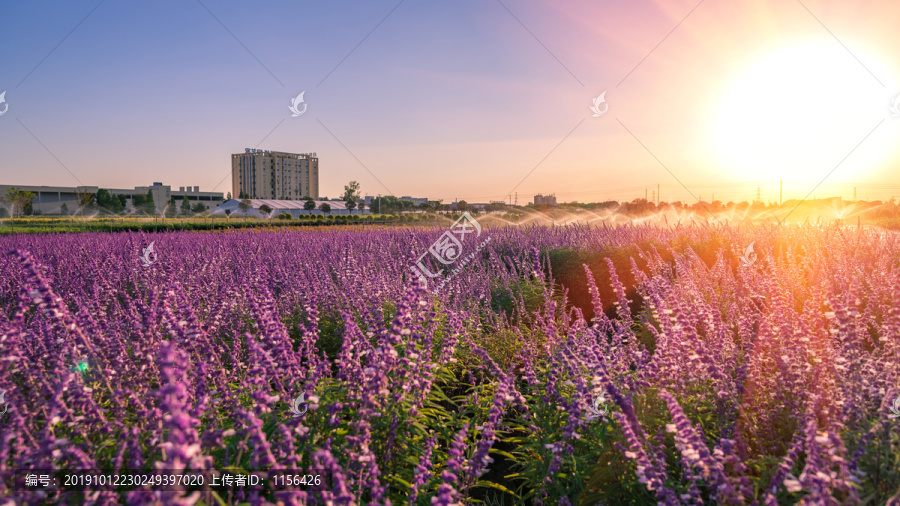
x: 542, y: 200
x: 260, y: 174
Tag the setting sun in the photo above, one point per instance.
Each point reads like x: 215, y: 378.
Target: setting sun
x: 798, y: 111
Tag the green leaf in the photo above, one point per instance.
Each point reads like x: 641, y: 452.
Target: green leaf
x: 501, y: 452
x: 401, y: 481
x: 219, y: 499
x: 496, y: 486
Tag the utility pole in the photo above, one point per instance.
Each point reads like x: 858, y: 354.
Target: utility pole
x: 854, y: 194
x: 517, y: 199
x: 654, y: 197
x: 657, y: 194
x: 780, y: 192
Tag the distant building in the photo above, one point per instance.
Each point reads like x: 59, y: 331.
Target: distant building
x: 292, y: 207
x: 161, y: 194
x: 260, y: 174
x: 545, y: 200
x: 50, y: 199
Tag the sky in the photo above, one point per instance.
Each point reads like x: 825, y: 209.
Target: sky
x: 476, y: 100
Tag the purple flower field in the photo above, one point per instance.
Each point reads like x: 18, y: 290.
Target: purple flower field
x: 561, y: 365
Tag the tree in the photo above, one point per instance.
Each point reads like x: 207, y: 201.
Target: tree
x: 110, y: 203
x: 19, y: 201
x: 149, y: 206
x: 84, y: 199
x: 265, y: 209
x: 137, y: 201
x: 462, y: 205
x: 64, y: 209
x: 185, y: 206
x: 199, y: 208
x: 171, y: 208
x: 351, y: 205
x: 309, y: 205
x: 325, y: 208
x: 390, y: 204
x: 245, y: 206
x: 144, y: 203
x: 228, y: 197
x: 361, y: 205
x: 284, y: 216
x: 351, y: 191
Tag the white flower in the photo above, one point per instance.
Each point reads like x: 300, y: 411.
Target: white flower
x: 792, y: 485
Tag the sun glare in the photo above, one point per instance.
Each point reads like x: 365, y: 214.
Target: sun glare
x: 797, y: 112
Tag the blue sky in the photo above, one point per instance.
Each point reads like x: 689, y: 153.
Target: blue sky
x: 443, y: 99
